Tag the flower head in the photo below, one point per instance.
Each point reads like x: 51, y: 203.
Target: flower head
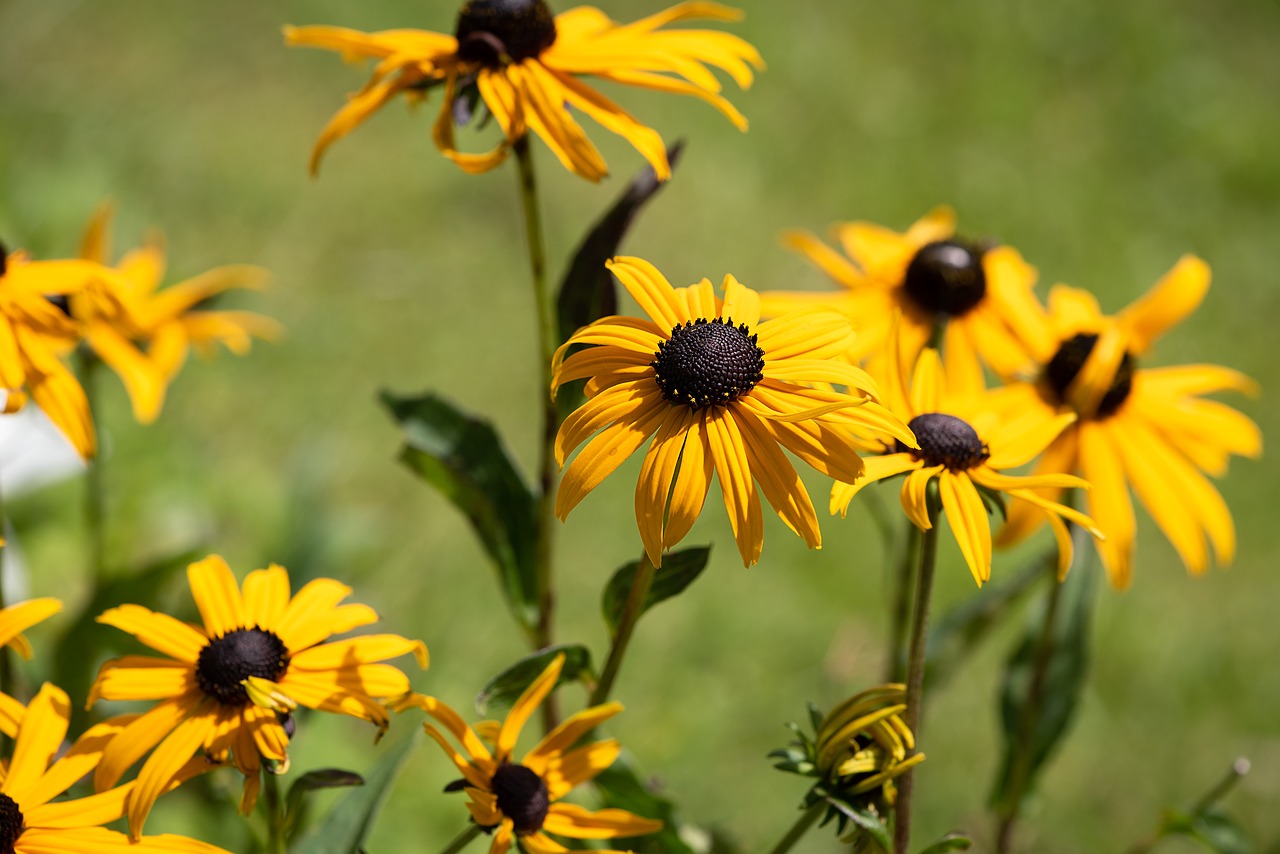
x: 1145, y: 428
x: 720, y: 392
x: 524, y: 65
x: 981, y: 293
x: 30, y: 823
x: 144, y: 332
x: 34, y: 330
x: 522, y: 800
x: 965, y: 448
x: 227, y: 687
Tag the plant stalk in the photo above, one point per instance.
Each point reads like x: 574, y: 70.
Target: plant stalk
x: 277, y: 821
x: 797, y: 831
x: 95, y: 491
x: 903, y: 581
x: 915, y: 676
x: 462, y: 840
x: 626, y: 626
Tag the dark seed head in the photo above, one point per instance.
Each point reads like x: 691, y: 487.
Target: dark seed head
x: 1067, y: 363
x: 10, y: 824
x: 227, y: 661
x: 708, y: 363
x: 488, y: 30
x: 4, y: 259
x: 522, y: 797
x: 946, y: 277
x: 946, y: 441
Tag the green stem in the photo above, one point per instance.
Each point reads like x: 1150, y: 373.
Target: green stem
x: 6, y: 664
x: 806, y: 820
x: 915, y: 676
x: 277, y: 821
x: 1220, y: 790
x: 626, y: 625
x: 94, y: 500
x: 548, y: 340
x: 462, y: 840
x: 903, y: 581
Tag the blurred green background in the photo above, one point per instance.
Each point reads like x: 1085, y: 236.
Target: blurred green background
x: 1102, y: 139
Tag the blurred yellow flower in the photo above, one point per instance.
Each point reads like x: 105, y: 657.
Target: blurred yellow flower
x: 719, y: 391
x: 983, y: 295
x: 521, y: 801
x: 127, y: 311
x: 863, y: 744
x: 1145, y: 428
x: 16, y: 619
x: 228, y: 687
x: 524, y: 64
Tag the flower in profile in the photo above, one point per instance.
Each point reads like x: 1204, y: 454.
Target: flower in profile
x: 981, y: 293
x: 228, y: 687
x: 31, y: 824
x: 857, y: 751
x: 520, y: 802
x: 143, y: 332
x: 34, y: 329
x: 966, y: 449
x: 524, y: 64
x: 1145, y: 428
x: 718, y: 391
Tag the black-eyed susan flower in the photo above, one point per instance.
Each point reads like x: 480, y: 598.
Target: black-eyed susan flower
x: 31, y: 822
x: 520, y: 802
x: 227, y: 687
x: 965, y: 447
x: 143, y: 332
x: 981, y: 294
x: 16, y: 619
x: 34, y: 329
x: 1145, y: 428
x: 720, y: 392
x: 524, y: 64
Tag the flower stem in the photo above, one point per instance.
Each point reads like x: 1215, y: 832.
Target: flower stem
x: 6, y: 674
x: 797, y: 831
x: 462, y: 840
x: 631, y: 611
x: 277, y: 821
x: 94, y: 500
x: 915, y: 676
x: 548, y: 340
x: 900, y: 617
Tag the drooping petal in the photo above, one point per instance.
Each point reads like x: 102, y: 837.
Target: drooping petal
x: 876, y: 469
x: 736, y: 485
x: 1178, y: 293
x: 914, y: 496
x: 39, y: 739
x: 657, y: 479
x: 778, y: 480
x: 602, y: 455
x: 1108, y: 499
x: 968, y: 517
x: 579, y: 823
x: 525, y: 706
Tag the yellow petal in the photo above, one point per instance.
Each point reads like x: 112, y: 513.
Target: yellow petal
x: 217, y: 595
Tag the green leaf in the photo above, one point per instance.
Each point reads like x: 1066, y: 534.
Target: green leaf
x: 502, y: 691
x: 296, y: 802
x: 1213, y: 828
x: 950, y: 842
x: 620, y: 787
x: 1036, y: 711
x: 678, y: 571
x: 347, y: 826
x: 867, y: 822
x: 465, y: 458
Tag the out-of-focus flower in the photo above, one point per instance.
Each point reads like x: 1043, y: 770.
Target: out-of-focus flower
x: 718, y: 391
x: 1145, y: 428
x: 227, y: 688
x: 524, y: 64
x: 981, y: 294
x: 520, y: 802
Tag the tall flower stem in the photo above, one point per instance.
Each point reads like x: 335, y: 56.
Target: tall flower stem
x: 6, y: 675
x: 94, y: 496
x: 548, y: 340
x: 915, y: 675
x: 903, y: 580
x: 277, y: 841
x: 462, y: 840
x: 797, y: 831
x: 631, y: 612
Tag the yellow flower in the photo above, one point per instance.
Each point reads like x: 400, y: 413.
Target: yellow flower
x: 982, y: 294
x: 864, y: 743
x: 965, y: 448
x: 33, y: 331
x: 524, y: 63
x: 1148, y: 428
x: 521, y: 800
x: 127, y: 309
x: 30, y: 824
x: 228, y: 687
x: 16, y: 619
x: 718, y: 390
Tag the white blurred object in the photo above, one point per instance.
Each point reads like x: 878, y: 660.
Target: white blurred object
x: 33, y: 452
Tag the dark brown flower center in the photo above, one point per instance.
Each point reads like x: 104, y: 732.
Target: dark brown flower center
x: 708, y: 363
x: 945, y: 441
x: 1067, y: 363
x: 11, y: 819
x: 522, y: 797
x: 489, y: 30
x: 4, y: 259
x: 227, y: 661
x: 946, y: 277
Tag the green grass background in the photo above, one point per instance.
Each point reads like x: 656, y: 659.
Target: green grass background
x: 1102, y: 139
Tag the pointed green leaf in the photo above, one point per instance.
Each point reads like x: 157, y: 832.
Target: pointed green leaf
x: 1212, y: 828
x: 678, y: 571
x: 502, y: 691
x: 867, y: 822
x: 950, y: 842
x: 346, y: 827
x: 465, y: 458
x: 620, y: 787
x: 297, y: 804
